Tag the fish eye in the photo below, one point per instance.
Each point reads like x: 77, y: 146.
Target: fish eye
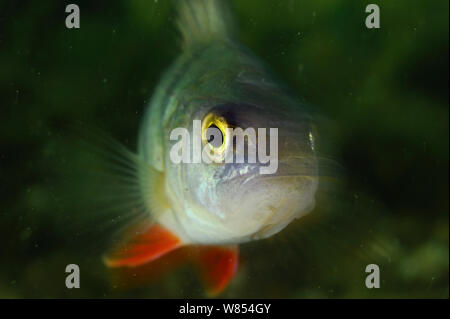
x: 214, y: 136
x: 214, y: 132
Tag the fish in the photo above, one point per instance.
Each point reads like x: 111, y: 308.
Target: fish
x: 210, y: 208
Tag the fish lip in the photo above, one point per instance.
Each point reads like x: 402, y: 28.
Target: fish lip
x: 288, y: 167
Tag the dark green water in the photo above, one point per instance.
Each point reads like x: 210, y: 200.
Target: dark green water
x: 385, y: 91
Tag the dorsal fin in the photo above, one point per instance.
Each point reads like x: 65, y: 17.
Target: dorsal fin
x: 203, y: 20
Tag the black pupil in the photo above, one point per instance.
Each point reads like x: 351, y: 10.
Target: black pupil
x: 214, y: 136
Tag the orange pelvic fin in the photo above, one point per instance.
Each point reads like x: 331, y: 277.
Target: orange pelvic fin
x: 141, y: 251
x: 142, y: 247
x: 217, y: 265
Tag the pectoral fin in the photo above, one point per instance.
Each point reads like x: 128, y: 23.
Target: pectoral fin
x: 143, y: 247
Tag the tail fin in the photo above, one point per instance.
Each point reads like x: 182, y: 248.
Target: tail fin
x: 203, y: 20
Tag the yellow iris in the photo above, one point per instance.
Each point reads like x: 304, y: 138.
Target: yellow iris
x: 212, y: 120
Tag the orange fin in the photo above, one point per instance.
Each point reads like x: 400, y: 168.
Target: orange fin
x: 143, y: 247
x: 218, y: 265
x: 133, y: 277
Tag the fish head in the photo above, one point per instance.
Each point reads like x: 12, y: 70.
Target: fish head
x: 236, y: 194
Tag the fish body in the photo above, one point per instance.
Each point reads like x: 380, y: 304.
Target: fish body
x: 217, y: 206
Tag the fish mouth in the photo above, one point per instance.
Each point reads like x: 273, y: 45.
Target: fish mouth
x: 294, y: 166
x: 294, y: 172
x: 260, y: 205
